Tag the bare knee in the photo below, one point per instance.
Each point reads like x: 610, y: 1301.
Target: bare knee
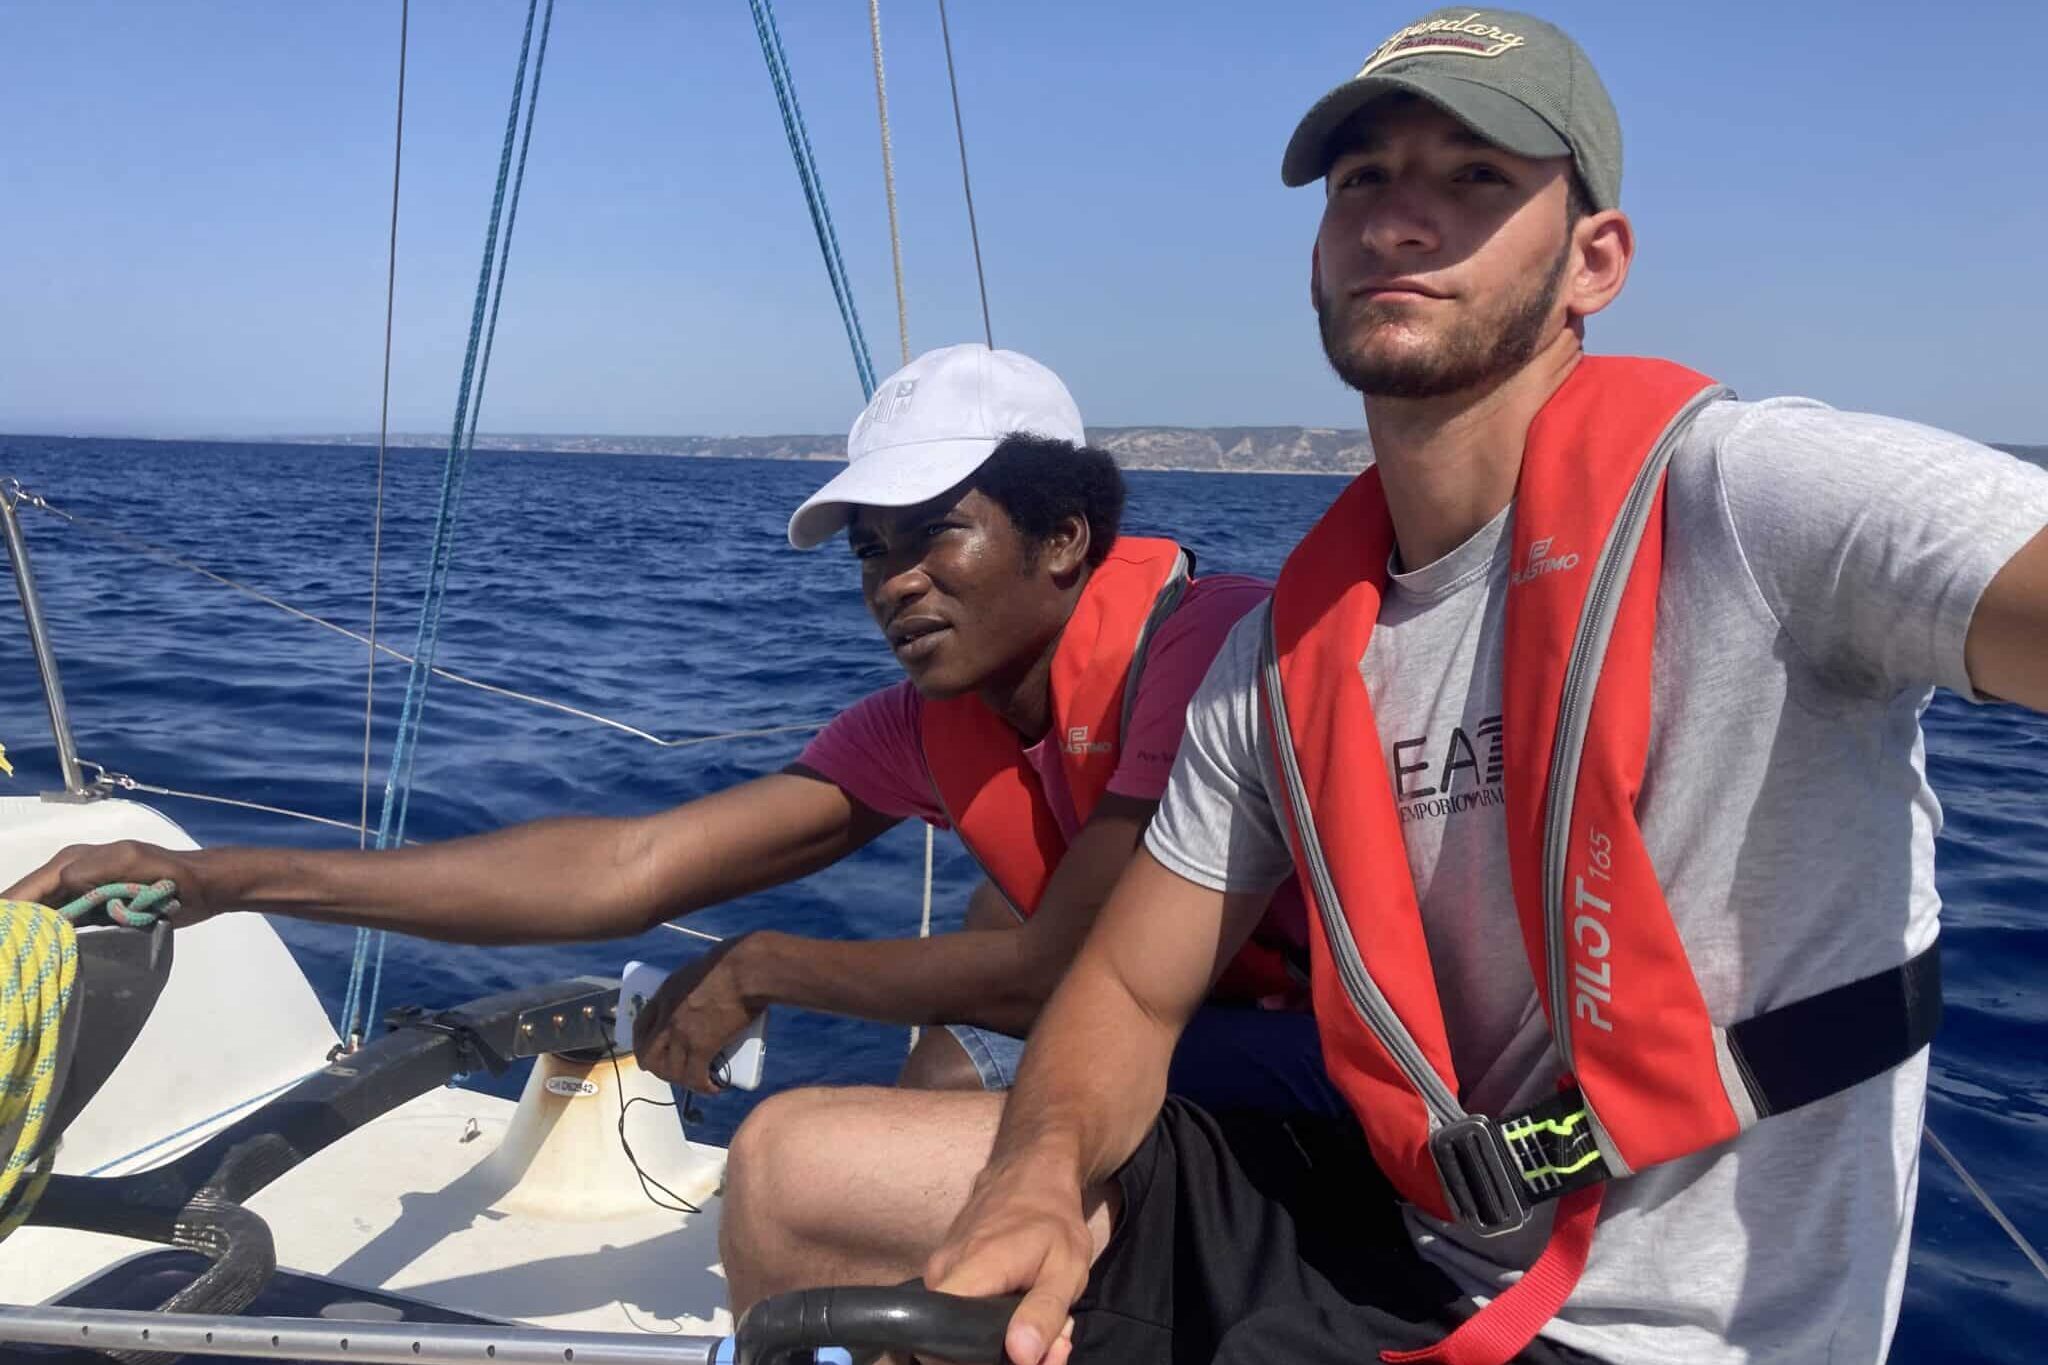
x: 765, y: 1165
x: 847, y: 1186
x: 763, y: 1143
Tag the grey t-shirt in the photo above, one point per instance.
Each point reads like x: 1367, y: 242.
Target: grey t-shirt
x: 1821, y: 569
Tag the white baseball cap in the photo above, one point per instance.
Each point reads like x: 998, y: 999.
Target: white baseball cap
x: 930, y: 425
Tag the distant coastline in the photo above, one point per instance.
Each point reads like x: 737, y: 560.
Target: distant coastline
x: 1231, y: 450
x: 1215, y: 450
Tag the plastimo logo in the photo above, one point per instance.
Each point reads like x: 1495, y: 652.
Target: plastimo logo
x: 1079, y: 743
x: 1541, y: 562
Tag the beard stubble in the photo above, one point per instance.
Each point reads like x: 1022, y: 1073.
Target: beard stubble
x: 1477, y: 349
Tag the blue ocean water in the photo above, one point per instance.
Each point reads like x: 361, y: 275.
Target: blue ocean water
x: 661, y: 591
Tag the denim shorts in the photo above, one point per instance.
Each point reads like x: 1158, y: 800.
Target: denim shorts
x: 1227, y: 1059
x: 995, y: 1055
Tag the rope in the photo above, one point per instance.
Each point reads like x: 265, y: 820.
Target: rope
x: 924, y: 923
x: 1990, y: 1205
x: 966, y: 185
x: 813, y: 186
x: 924, y: 927
x: 39, y: 956
x: 399, y: 776
x: 511, y: 221
x: 158, y: 553
x: 131, y: 905
x: 889, y: 178
x: 383, y: 430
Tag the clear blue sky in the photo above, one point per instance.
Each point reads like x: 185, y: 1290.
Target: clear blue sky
x: 1842, y: 200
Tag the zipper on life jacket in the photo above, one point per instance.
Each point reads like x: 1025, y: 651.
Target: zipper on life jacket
x: 1475, y: 1165
x: 1574, y: 715
x: 1364, y: 994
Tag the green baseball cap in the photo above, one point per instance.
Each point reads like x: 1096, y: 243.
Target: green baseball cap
x: 1516, y: 81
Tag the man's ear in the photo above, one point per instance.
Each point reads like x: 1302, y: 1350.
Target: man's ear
x: 1604, y: 244
x: 1315, y: 277
x: 1064, y: 551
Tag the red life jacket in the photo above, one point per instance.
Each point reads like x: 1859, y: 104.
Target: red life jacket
x: 989, y: 790
x: 1649, y: 1076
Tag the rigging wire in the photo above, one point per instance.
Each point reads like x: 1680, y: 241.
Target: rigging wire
x: 476, y: 408
x: 966, y: 185
x: 511, y: 220
x: 146, y: 548
x: 924, y: 925
x: 405, y: 749
x: 889, y: 178
x: 1984, y: 1198
x: 383, y: 430
x: 793, y: 128
x: 399, y: 776
x: 109, y: 781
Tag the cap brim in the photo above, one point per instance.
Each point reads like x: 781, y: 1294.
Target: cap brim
x: 1500, y: 119
x: 902, y: 476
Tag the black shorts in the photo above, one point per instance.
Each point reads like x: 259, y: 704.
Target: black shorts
x: 1257, y: 1237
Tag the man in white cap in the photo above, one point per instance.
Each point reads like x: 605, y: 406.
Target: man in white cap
x: 1589, y: 718
x: 1050, y: 661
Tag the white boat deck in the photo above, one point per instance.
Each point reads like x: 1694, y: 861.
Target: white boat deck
x: 550, y: 1228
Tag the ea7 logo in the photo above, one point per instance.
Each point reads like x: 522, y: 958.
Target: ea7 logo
x: 1077, y: 742
x: 1541, y: 562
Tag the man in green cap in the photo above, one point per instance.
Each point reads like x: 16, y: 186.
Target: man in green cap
x: 1624, y: 948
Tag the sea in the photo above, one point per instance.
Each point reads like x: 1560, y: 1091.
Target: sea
x: 661, y: 592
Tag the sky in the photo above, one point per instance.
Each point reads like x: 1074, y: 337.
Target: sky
x: 1845, y: 201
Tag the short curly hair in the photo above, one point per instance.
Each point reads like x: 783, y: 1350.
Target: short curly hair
x: 1040, y: 482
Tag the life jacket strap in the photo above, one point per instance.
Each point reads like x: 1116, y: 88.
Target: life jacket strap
x: 1822, y: 1045
x: 1495, y: 1173
x: 1501, y: 1330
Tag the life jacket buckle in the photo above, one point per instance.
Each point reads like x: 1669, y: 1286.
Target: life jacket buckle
x: 1479, y: 1176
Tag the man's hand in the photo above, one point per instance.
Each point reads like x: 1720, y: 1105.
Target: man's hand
x: 700, y: 1008
x: 1023, y: 1229
x: 82, y: 867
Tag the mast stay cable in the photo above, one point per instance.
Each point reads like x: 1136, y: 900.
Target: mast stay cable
x: 129, y: 541
x: 966, y: 185
x: 399, y: 776
x: 889, y: 179
x: 813, y: 184
x: 924, y: 923
x: 383, y: 431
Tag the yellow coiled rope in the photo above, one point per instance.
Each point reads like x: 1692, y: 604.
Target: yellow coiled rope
x: 38, y: 967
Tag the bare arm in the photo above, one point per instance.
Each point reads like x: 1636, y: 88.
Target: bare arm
x: 1092, y: 1083
x: 998, y: 978
x: 548, y: 881
x: 2007, y: 647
